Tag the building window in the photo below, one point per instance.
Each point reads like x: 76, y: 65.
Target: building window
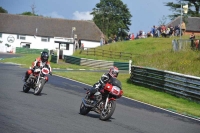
x: 64, y: 46
x: 45, y: 39
x: 0, y: 35
x: 67, y: 46
x: 21, y: 37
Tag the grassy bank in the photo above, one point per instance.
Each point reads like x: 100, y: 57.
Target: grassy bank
x: 156, y: 53
x: 150, y: 52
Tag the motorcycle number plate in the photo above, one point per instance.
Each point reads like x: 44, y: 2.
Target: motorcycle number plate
x: 115, y: 90
x: 45, y: 70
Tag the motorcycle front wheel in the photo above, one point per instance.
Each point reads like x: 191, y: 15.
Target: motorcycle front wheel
x: 84, y: 110
x: 108, y: 112
x: 39, y: 87
x: 26, y: 88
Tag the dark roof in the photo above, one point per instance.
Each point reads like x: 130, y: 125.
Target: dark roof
x: 193, y: 23
x: 51, y: 27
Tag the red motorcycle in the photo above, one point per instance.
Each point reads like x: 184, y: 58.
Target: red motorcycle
x: 102, y: 102
x: 36, y: 80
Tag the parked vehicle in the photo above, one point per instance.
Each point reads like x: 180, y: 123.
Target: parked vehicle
x: 36, y: 80
x: 102, y: 102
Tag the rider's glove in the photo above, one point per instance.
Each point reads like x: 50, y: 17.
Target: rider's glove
x: 35, y: 67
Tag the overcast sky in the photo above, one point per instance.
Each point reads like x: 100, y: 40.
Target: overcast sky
x: 145, y: 13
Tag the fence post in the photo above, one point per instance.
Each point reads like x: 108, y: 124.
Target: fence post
x: 87, y: 51
x: 58, y: 55
x: 130, y: 64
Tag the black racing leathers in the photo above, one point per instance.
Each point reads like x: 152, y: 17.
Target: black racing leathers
x: 100, y: 84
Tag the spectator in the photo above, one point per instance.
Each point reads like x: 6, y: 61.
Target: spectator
x: 158, y: 31
x: 143, y: 34
x: 183, y: 27
x: 115, y: 38
x: 76, y: 45
x: 177, y: 31
x: 129, y: 35
x: 137, y: 36
x: 163, y: 30
x: 132, y: 36
x: 79, y: 44
x: 196, y: 42
x: 82, y: 48
x: 140, y: 34
x: 149, y: 34
x: 192, y: 37
x: 154, y: 31
x: 102, y: 39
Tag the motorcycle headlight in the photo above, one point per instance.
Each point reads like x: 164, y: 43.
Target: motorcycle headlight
x: 37, y: 70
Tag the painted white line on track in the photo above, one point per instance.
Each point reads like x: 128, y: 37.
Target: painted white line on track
x: 12, y: 63
x: 69, y: 69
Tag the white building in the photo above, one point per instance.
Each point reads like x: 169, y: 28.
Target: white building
x: 46, y: 33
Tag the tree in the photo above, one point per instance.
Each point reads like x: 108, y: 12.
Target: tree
x: 193, y: 8
x: 31, y: 13
x: 163, y: 20
x: 112, y: 17
x: 2, y: 10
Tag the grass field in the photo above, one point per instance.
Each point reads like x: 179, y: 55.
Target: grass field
x: 150, y: 52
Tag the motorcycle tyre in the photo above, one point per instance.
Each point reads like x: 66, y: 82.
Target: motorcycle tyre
x: 26, y: 88
x: 84, y: 110
x: 106, y: 117
x: 39, y: 90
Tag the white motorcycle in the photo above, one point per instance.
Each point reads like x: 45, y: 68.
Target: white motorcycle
x: 37, y: 80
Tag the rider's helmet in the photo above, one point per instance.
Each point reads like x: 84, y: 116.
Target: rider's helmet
x: 113, y: 72
x: 44, y: 56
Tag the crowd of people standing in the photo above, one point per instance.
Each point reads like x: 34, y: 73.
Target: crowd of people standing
x: 163, y: 31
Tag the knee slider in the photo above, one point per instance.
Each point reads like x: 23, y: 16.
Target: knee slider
x: 29, y: 72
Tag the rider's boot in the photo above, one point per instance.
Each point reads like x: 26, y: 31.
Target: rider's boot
x: 26, y: 77
x: 90, y: 96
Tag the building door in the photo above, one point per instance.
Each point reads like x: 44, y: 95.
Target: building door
x: 25, y: 44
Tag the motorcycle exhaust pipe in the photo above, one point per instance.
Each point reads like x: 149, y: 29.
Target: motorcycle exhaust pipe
x: 87, y: 105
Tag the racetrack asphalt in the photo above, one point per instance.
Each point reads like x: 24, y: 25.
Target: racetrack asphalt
x: 56, y: 110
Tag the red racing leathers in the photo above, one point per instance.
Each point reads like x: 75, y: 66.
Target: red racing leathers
x: 37, y: 63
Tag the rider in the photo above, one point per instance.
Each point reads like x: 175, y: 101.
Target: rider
x: 40, y: 61
x: 113, y: 73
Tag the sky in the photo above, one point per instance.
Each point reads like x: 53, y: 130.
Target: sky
x: 145, y: 13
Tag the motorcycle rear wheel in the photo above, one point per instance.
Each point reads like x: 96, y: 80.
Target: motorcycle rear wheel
x: 84, y: 110
x: 108, y: 112
x: 40, y: 86
x: 26, y: 88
